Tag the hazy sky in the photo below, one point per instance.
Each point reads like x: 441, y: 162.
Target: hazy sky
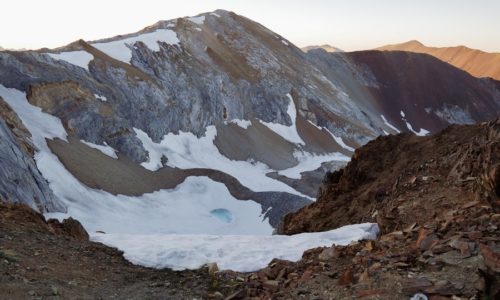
x: 349, y: 24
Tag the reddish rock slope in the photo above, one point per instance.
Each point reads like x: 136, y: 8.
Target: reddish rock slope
x: 476, y: 62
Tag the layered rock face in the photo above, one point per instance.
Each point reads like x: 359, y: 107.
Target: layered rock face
x: 20, y: 180
x: 269, y: 102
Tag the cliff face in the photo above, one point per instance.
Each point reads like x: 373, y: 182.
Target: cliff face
x: 20, y: 180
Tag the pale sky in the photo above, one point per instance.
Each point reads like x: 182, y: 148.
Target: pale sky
x: 349, y: 25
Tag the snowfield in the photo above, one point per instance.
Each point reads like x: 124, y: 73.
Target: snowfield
x: 289, y: 133
x: 421, y: 132
x: 243, y: 253
x: 389, y: 124
x: 309, y: 162
x: 186, y: 151
x: 120, y: 49
x: 105, y: 149
x: 77, y: 58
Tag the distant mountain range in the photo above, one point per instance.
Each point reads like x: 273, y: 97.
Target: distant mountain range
x: 325, y: 47
x: 476, y: 62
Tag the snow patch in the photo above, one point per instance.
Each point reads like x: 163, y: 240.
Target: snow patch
x: 185, y: 151
x: 421, y: 132
x: 215, y: 14
x: 197, y: 20
x: 340, y: 141
x: 310, y: 162
x: 454, y: 114
x: 40, y: 124
x: 154, y: 151
x: 239, y: 253
x: 100, y: 98
x: 120, y: 49
x: 284, y: 42
x: 78, y: 58
x: 289, y: 133
x: 105, y: 149
x: 389, y: 124
x: 242, y: 123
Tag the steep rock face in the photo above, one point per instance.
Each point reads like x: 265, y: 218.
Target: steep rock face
x: 430, y: 93
x: 476, y: 62
x: 399, y: 180
x: 20, y: 180
x: 412, y: 91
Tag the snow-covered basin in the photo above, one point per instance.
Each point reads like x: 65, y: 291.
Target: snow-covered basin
x: 243, y: 253
x: 197, y: 222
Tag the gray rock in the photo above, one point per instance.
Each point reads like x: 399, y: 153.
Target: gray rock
x: 20, y: 180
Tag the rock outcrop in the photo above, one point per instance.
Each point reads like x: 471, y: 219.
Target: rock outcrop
x: 20, y: 180
x: 400, y: 180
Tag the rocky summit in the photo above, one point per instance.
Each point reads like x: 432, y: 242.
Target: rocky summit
x: 204, y: 147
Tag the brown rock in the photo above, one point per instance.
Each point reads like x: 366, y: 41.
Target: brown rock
x: 327, y: 254
x: 441, y: 248
x: 212, y: 268
x: 438, y: 297
x: 347, y: 277
x: 426, y: 239
x: 271, y: 285
x: 491, y: 258
x: 444, y: 287
x: 470, y: 204
x: 306, y: 276
x: 463, y: 246
x: 376, y: 266
x: 69, y: 227
x: 416, y: 285
x: 292, y: 276
x: 364, y: 277
x: 369, y: 293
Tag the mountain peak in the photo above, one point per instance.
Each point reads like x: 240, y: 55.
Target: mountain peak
x: 326, y: 47
x: 413, y: 43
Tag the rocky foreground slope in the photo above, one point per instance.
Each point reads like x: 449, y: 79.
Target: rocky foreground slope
x: 40, y: 260
x: 436, y: 200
